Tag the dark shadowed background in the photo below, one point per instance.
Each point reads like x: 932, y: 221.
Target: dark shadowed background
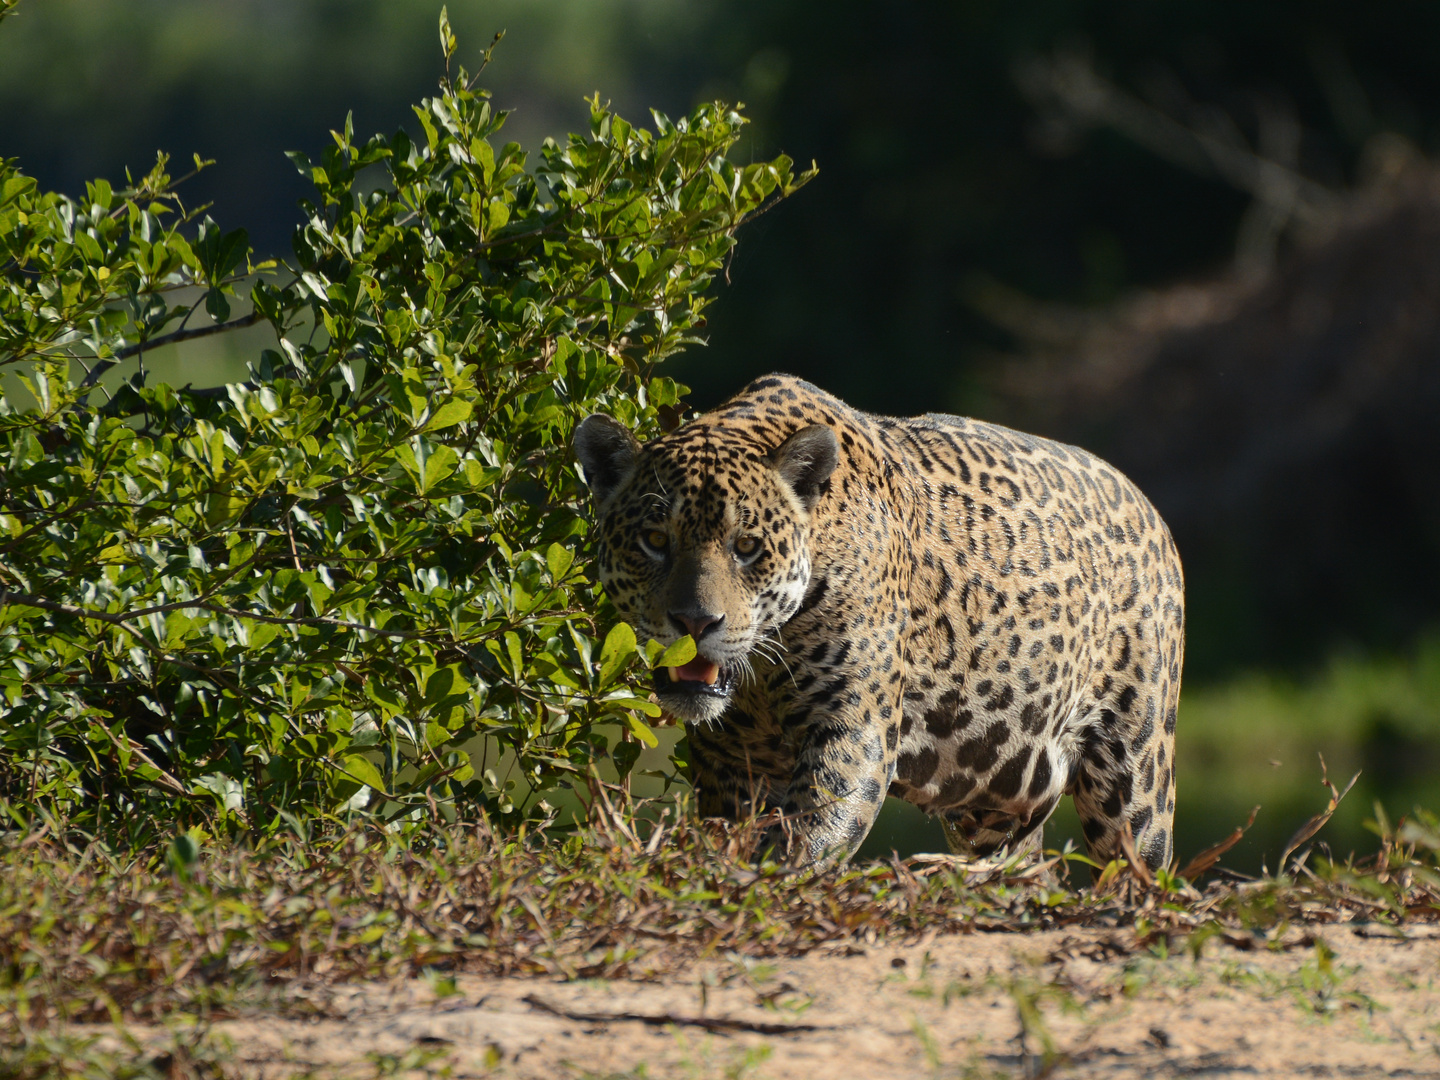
x: 1202, y: 239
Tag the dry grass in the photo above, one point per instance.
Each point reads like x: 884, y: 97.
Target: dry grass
x: 86, y: 935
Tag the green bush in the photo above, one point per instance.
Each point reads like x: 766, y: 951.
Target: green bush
x: 307, y: 593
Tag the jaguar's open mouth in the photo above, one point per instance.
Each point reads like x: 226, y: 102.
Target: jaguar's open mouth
x: 700, y: 677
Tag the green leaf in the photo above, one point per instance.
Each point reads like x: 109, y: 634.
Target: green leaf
x: 624, y: 755
x: 512, y: 647
x: 623, y: 700
x: 482, y: 152
x: 184, y: 851
x: 437, y: 465
x: 677, y: 655
x: 217, y: 306
x: 619, y: 647
x: 642, y: 730
x: 361, y: 769
x: 558, y: 560
x: 449, y: 414
x: 447, y: 36
x: 384, y: 696
x: 556, y: 671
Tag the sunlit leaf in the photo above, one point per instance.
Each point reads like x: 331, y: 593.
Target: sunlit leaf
x: 361, y: 769
x: 619, y: 647
x: 681, y: 652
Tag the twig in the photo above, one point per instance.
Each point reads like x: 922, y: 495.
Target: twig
x: 294, y: 551
x: 189, y: 335
x: 663, y: 1019
x: 1316, y: 823
x: 484, y: 60
x: 178, y: 336
x: 1211, y: 855
x: 216, y: 393
x: 166, y: 780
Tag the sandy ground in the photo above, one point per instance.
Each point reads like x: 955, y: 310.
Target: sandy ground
x: 1103, y: 1002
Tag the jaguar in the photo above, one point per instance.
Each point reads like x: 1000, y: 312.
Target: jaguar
x: 969, y: 618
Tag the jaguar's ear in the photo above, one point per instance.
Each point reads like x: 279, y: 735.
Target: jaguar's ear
x: 805, y: 460
x: 606, y: 451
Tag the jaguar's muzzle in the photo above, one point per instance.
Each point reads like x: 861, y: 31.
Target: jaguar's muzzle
x: 701, y: 680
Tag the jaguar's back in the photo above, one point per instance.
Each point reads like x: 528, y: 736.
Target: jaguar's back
x: 1045, y: 639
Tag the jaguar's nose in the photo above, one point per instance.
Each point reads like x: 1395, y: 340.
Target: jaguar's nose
x: 697, y: 623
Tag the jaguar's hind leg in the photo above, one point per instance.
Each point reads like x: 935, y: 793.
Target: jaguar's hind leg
x: 1126, y: 776
x: 980, y: 833
x: 1124, y: 773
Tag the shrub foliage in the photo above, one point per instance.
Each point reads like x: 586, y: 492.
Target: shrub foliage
x: 311, y: 592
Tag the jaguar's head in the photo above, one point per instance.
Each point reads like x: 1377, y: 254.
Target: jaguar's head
x: 704, y: 532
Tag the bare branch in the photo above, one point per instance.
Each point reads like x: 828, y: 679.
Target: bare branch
x: 189, y: 335
x: 1070, y: 82
x: 105, y: 364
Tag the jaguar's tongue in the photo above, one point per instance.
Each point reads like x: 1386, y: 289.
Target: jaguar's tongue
x: 697, y: 670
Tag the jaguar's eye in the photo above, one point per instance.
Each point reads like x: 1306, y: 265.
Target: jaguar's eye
x: 657, y: 540
x: 747, y: 546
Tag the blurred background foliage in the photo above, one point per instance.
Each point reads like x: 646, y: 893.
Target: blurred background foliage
x: 1201, y: 238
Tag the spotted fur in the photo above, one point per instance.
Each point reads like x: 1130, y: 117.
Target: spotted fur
x: 967, y: 617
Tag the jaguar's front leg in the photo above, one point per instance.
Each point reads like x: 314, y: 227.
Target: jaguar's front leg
x: 733, y: 769
x: 844, y: 767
